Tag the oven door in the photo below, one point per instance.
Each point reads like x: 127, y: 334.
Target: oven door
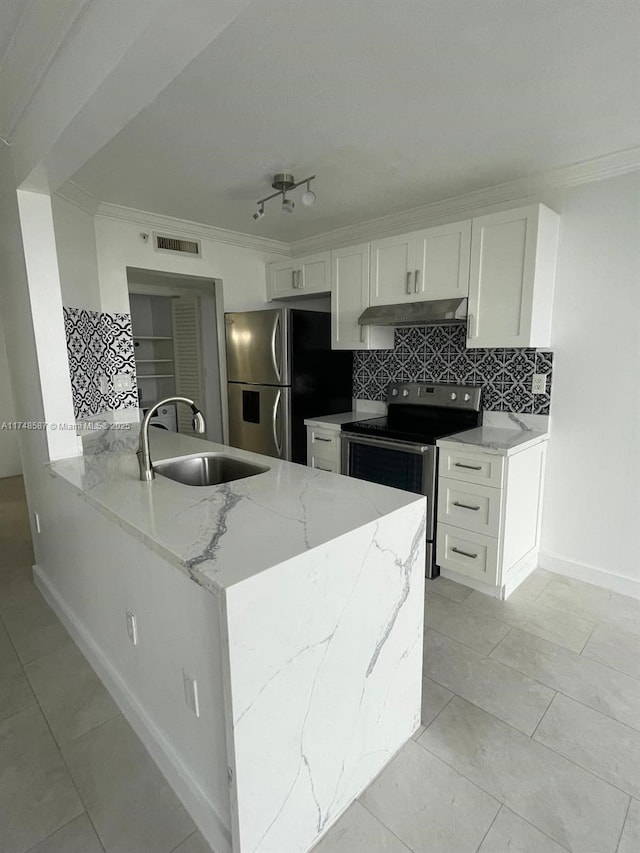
x: 401, y: 465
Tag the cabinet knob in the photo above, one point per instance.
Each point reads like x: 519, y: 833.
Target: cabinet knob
x: 454, y: 396
x: 405, y: 393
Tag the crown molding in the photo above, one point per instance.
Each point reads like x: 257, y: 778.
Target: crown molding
x: 78, y: 196
x: 187, y: 228
x: 462, y: 206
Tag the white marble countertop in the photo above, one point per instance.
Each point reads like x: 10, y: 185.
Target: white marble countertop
x: 498, y: 440
x: 222, y: 535
x: 336, y: 421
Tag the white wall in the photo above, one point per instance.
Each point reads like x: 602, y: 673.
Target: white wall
x: 592, y: 491
x: 119, y: 246
x: 10, y: 464
x: 77, y: 259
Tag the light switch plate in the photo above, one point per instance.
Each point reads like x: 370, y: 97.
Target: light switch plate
x: 104, y: 384
x: 539, y: 383
x: 122, y: 382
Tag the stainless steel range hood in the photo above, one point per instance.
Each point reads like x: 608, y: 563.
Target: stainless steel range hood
x: 437, y: 312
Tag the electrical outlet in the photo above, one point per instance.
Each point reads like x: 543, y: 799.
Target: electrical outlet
x: 122, y: 382
x: 132, y: 627
x: 539, y: 383
x: 191, y: 693
x: 36, y: 522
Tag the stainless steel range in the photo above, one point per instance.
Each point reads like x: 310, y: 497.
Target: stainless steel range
x: 399, y: 450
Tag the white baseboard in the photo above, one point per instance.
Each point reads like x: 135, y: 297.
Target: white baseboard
x: 169, y: 762
x: 590, y: 574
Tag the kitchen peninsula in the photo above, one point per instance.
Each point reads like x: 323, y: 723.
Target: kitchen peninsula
x: 274, y: 663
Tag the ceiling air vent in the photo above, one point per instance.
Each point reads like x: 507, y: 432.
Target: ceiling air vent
x: 177, y: 245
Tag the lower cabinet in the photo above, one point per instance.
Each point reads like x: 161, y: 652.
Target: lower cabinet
x: 323, y: 449
x: 489, y: 510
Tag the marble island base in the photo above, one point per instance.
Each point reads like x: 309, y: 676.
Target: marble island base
x: 308, y: 672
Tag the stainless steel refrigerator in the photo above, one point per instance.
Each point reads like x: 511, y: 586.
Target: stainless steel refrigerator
x: 280, y: 370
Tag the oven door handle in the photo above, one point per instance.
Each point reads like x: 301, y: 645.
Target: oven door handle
x: 389, y: 443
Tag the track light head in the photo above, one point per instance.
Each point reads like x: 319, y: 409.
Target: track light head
x: 308, y: 196
x: 259, y: 213
x: 287, y: 205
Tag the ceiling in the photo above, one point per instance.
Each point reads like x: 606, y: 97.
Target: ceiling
x: 10, y: 12
x: 391, y: 104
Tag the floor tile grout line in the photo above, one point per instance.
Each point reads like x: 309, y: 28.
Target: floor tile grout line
x: 553, y: 698
x: 588, y: 639
x: 562, y: 692
x: 624, y: 823
x: 507, y: 805
x: 57, y: 745
x: 529, y: 737
x: 381, y: 822
x: 493, y: 660
x: 495, y: 818
x: 608, y: 665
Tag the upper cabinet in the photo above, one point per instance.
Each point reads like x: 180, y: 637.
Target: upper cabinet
x: 349, y: 298
x: 299, y: 276
x: 442, y: 261
x: 423, y: 265
x: 513, y: 259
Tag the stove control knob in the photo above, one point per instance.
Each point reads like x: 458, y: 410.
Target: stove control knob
x: 405, y: 392
x: 467, y: 397
x: 454, y: 396
x: 394, y: 392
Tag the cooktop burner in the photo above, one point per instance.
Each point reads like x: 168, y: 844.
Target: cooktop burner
x: 421, y: 414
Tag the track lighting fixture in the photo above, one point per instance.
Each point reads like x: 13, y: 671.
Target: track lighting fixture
x: 284, y: 183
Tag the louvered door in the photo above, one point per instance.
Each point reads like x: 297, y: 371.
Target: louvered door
x: 187, y: 353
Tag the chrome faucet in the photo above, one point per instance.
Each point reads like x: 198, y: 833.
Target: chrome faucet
x: 144, y: 454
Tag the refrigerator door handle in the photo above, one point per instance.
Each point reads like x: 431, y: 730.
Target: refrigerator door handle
x: 274, y: 337
x: 274, y: 423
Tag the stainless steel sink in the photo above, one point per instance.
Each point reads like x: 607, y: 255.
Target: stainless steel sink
x: 207, y: 469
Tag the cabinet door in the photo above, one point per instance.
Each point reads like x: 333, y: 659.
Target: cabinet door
x: 282, y: 280
x: 393, y: 266
x: 511, y: 279
x: 314, y: 274
x: 442, y: 262
x: 349, y: 298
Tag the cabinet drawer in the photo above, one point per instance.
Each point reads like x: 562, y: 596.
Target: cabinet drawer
x: 469, y: 506
x: 332, y: 465
x: 468, y: 553
x: 324, y: 444
x: 483, y: 468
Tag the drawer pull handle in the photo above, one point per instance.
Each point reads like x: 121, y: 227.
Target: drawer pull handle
x: 466, y: 506
x: 409, y: 282
x: 470, y: 467
x: 317, y: 438
x: 464, y: 553
x: 320, y: 468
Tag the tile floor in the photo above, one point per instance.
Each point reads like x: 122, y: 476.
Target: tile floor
x: 530, y: 737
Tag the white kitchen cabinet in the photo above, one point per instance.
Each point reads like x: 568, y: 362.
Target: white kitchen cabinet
x: 323, y: 448
x: 349, y: 298
x: 393, y: 264
x: 513, y: 260
x: 422, y: 265
x: 310, y: 275
x: 442, y: 261
x: 489, y: 511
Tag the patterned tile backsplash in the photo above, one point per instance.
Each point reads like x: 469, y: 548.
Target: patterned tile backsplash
x: 99, y: 345
x: 438, y: 354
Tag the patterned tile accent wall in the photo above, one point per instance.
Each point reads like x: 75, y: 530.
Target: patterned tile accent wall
x: 438, y: 354
x: 99, y: 344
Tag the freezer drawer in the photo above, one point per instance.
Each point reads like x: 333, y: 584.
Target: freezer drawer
x: 259, y: 419
x: 257, y: 347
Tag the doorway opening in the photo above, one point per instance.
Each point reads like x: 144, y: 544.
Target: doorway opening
x: 178, y: 336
